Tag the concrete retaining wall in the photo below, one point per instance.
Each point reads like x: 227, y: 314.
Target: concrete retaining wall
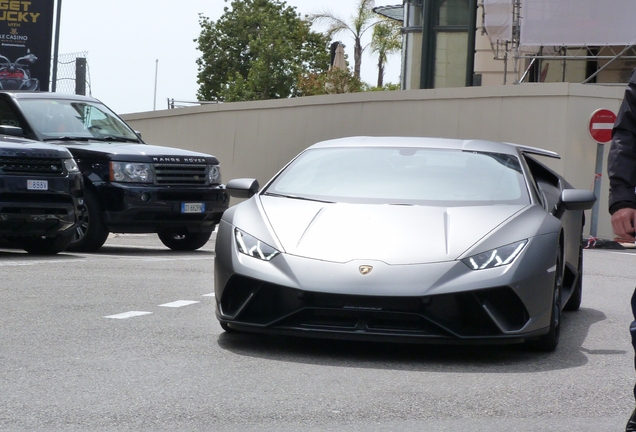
x: 256, y: 139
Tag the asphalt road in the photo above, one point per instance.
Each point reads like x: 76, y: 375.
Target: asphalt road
x: 126, y: 340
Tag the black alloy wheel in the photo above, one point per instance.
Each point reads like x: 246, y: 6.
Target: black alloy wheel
x: 91, y: 233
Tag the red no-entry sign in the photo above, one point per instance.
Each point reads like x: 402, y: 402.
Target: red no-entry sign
x: 601, y: 124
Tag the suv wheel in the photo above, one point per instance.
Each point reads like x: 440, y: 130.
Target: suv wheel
x: 46, y: 245
x: 91, y: 233
x: 180, y: 241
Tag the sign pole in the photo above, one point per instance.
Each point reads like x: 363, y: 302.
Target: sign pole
x: 56, y: 45
x: 597, y: 188
x: 600, y: 129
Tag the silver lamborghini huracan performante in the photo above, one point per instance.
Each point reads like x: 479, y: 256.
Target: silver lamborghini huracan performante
x: 404, y: 240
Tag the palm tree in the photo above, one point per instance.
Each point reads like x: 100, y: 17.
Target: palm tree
x: 364, y: 19
x: 387, y: 39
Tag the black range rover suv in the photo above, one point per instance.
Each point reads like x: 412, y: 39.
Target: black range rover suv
x: 130, y: 186
x: 40, y: 191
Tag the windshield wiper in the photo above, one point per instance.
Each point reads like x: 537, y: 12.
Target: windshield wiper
x: 115, y: 138
x: 106, y: 138
x: 296, y: 197
x: 69, y: 138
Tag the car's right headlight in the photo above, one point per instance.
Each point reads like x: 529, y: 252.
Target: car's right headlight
x: 131, y: 172
x: 214, y: 174
x: 501, y: 256
x: 253, y: 247
x: 71, y: 166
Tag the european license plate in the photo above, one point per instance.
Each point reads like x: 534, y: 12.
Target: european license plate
x: 37, y: 185
x: 192, y: 207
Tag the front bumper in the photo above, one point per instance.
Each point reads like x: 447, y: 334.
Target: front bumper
x: 496, y: 315
x: 39, y: 213
x: 441, y: 302
x: 147, y: 209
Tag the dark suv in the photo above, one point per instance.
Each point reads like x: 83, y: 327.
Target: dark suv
x: 130, y: 186
x: 40, y: 191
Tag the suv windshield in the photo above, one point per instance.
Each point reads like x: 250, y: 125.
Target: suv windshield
x: 410, y: 176
x: 59, y: 119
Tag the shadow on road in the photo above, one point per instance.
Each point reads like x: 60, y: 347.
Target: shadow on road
x: 159, y: 251
x: 432, y: 358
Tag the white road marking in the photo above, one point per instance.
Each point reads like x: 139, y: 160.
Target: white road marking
x: 208, y: 295
x: 179, y: 303
x: 37, y: 262
x: 127, y: 315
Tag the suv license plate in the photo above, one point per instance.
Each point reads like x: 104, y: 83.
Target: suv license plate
x: 37, y: 185
x: 192, y: 207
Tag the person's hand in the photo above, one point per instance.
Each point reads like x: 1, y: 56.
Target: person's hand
x: 623, y: 224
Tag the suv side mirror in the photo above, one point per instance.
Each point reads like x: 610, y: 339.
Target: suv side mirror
x: 11, y: 131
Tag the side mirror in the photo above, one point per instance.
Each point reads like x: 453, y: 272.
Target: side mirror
x: 574, y: 199
x: 11, y: 131
x: 242, y: 188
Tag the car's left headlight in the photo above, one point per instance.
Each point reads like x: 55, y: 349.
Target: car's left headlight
x: 71, y: 165
x: 253, y: 247
x: 501, y: 256
x: 214, y: 174
x: 131, y: 172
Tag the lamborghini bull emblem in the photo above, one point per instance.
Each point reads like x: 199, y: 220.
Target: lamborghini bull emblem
x: 365, y: 269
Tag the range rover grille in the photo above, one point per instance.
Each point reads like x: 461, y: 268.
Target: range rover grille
x: 24, y: 165
x: 174, y: 173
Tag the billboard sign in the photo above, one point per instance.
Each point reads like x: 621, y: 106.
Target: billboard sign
x: 26, y: 34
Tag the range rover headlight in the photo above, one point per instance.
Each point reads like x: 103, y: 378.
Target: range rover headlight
x: 253, y: 247
x: 71, y: 166
x: 501, y: 256
x: 214, y: 174
x: 131, y: 172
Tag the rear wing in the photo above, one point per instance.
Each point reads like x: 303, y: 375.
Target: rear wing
x: 537, y: 151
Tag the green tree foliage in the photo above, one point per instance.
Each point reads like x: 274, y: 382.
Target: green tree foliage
x: 334, y: 81
x: 387, y: 39
x: 258, y: 49
x: 364, y: 20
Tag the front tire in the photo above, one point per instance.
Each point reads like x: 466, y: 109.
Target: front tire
x: 549, y: 341
x: 180, y: 241
x: 46, y: 245
x: 91, y: 233
x: 574, y: 303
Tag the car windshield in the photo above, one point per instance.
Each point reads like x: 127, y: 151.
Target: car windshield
x: 68, y: 119
x: 406, y: 176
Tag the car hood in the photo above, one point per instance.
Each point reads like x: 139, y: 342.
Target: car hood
x: 394, y: 234
x: 19, y: 147
x: 139, y: 151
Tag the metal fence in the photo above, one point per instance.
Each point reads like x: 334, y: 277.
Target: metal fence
x: 73, y: 73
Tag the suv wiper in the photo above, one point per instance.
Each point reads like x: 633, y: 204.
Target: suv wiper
x: 115, y: 138
x: 69, y: 138
x: 296, y: 197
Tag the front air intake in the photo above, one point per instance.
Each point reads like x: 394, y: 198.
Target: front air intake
x: 26, y: 165
x: 181, y: 174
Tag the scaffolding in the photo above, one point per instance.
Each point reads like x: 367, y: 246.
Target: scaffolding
x: 506, y: 24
